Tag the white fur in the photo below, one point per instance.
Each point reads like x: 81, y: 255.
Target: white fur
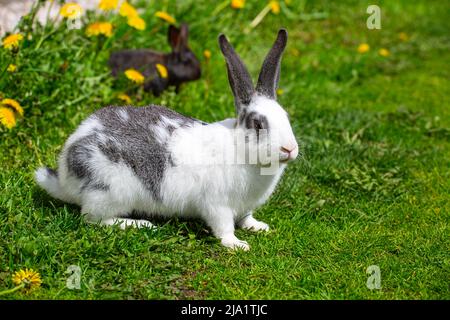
x: 278, y: 119
x: 123, y: 115
x: 161, y: 132
x: 48, y: 182
x: 204, y: 182
x: 84, y: 129
x: 165, y: 122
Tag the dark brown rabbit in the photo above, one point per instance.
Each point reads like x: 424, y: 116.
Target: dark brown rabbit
x: 182, y: 65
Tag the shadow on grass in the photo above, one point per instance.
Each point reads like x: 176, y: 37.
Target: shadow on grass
x: 179, y: 226
x: 43, y: 200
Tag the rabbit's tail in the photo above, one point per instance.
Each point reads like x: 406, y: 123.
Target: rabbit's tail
x: 48, y: 180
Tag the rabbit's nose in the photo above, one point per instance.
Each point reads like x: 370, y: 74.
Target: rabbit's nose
x: 290, y: 151
x: 287, y: 149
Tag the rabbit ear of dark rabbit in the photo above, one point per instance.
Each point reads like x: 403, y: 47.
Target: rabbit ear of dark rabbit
x: 184, y: 33
x: 173, y: 36
x: 270, y: 70
x: 240, y: 81
x: 178, y: 37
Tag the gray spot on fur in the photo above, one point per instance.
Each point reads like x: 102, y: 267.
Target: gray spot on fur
x: 253, y: 120
x: 256, y: 121
x: 241, y: 116
x: 78, y: 156
x: 95, y: 186
x: 52, y: 172
x: 132, y: 143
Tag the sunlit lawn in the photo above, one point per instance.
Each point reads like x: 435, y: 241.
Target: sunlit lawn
x: 372, y: 187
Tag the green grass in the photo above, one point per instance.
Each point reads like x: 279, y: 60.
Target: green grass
x: 372, y: 187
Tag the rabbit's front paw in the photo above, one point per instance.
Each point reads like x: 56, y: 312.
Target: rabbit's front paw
x: 231, y: 241
x: 250, y: 223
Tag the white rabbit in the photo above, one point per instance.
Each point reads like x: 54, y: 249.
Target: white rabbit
x: 153, y: 161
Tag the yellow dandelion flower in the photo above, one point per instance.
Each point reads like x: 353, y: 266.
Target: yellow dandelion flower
x: 12, y: 104
x: 98, y: 28
x: 384, y: 52
x: 363, y: 48
x: 106, y: 29
x: 403, y: 36
x: 162, y: 70
x: 7, y: 117
x: 12, y: 41
x: 71, y: 10
x: 237, y: 4
x: 207, y: 54
x: 93, y: 29
x: 165, y: 16
x: 280, y: 91
x: 11, y: 68
x: 29, y: 277
x: 127, y: 10
x: 134, y: 76
x: 108, y: 4
x: 124, y: 97
x: 274, y: 7
x: 136, y: 22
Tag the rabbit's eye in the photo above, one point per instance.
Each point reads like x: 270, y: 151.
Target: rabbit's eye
x: 254, y: 121
x: 257, y: 125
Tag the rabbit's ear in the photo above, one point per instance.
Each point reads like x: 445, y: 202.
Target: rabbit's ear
x: 238, y: 76
x: 174, y: 38
x: 184, y: 33
x: 270, y: 70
